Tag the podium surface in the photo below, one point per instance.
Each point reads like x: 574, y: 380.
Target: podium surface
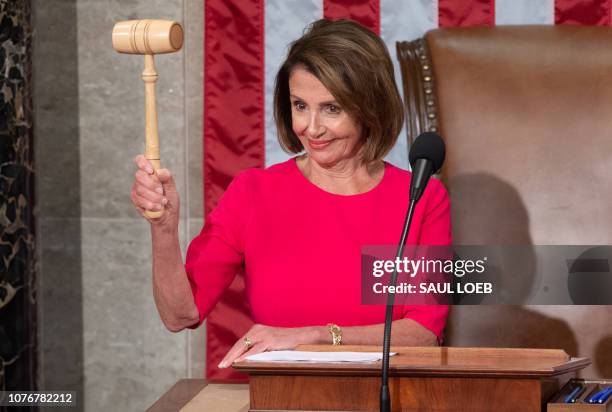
x: 420, y: 379
x: 197, y: 395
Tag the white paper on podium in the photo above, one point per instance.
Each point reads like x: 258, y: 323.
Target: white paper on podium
x: 303, y: 356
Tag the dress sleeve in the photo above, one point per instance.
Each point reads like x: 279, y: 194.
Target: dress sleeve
x: 216, y: 255
x: 436, y: 230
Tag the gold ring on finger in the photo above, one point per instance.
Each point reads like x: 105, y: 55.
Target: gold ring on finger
x: 248, y: 342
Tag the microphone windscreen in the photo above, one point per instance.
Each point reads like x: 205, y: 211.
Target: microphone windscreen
x: 428, y: 145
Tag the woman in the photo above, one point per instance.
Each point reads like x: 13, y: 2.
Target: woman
x: 298, y: 226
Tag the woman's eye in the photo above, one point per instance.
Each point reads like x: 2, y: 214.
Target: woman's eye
x: 299, y: 106
x: 333, y: 109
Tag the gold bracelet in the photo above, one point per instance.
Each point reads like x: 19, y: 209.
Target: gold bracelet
x: 336, y: 334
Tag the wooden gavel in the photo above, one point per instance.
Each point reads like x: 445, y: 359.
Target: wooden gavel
x: 149, y: 37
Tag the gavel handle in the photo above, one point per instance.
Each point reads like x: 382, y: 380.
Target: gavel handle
x: 149, y: 76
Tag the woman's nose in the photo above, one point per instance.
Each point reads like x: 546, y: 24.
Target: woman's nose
x: 315, y: 129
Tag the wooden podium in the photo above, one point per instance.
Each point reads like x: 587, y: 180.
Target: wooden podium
x: 420, y: 379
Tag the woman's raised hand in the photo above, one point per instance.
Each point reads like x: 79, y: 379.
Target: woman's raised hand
x: 155, y: 191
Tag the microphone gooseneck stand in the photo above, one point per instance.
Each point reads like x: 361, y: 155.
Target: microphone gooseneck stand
x: 385, y: 397
x: 421, y: 173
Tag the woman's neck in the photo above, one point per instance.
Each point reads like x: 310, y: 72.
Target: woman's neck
x: 347, y: 177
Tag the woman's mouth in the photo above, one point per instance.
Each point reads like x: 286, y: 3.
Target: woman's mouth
x: 319, y: 144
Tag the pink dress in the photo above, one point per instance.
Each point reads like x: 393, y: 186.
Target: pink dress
x: 301, y: 246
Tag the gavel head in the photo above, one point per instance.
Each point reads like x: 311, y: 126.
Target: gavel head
x: 147, y: 36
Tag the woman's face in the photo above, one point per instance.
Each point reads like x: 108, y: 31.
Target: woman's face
x: 327, y: 132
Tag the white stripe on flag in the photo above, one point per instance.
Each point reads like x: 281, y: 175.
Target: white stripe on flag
x: 524, y: 12
x: 285, y: 22
x: 404, y: 20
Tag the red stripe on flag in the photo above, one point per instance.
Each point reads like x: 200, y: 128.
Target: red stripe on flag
x: 464, y: 13
x: 233, y: 141
x: 366, y: 12
x: 583, y: 12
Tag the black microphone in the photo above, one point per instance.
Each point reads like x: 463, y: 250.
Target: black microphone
x: 426, y: 157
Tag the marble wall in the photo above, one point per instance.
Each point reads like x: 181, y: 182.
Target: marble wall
x: 17, y: 225
x: 100, y: 333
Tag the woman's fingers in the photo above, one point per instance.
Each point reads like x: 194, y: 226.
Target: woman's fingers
x: 145, y: 203
x: 151, y: 182
x: 147, y: 191
x: 146, y: 199
x: 263, y: 338
x: 143, y: 164
x: 238, y: 349
x: 255, y: 336
x: 154, y: 190
x: 257, y: 348
x: 148, y: 187
x: 136, y: 202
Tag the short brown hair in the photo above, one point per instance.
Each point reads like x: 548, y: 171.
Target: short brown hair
x: 354, y: 65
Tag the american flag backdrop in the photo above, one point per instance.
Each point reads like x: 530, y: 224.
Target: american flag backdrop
x: 245, y: 43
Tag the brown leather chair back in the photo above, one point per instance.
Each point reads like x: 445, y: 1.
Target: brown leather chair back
x: 526, y: 113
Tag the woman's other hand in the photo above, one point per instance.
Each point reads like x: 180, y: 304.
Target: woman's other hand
x: 265, y: 338
x: 155, y: 191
